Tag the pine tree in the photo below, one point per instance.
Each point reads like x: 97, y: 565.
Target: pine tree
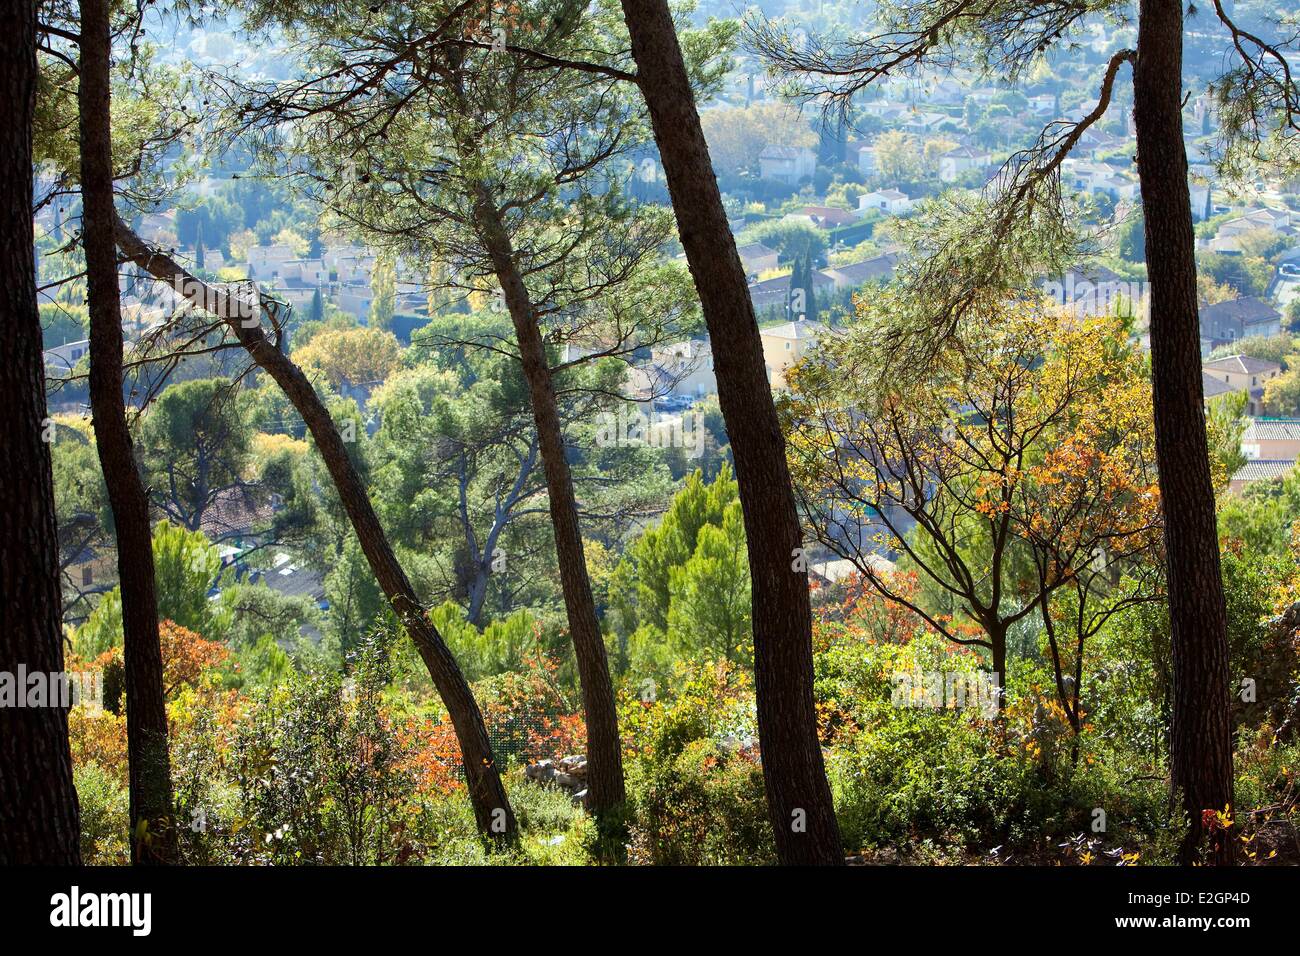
x: 153, y: 836
x: 794, y: 774
x: 317, y: 312
x: 810, y: 287
x: 39, y: 821
x: 383, y: 285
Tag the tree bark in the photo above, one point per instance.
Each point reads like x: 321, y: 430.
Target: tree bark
x: 799, y: 798
x: 39, y: 819
x: 605, y: 788
x: 1201, y: 732
x: 492, y: 808
x: 153, y: 836
x: 998, y: 639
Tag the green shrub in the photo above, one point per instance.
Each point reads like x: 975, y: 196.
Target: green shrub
x: 707, y: 806
x: 105, y: 816
x: 694, y: 780
x: 320, y: 771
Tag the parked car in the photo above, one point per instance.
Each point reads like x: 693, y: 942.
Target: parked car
x: 674, y: 403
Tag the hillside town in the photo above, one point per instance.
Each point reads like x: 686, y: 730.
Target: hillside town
x: 644, y: 434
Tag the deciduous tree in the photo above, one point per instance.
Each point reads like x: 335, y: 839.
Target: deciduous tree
x: 972, y: 251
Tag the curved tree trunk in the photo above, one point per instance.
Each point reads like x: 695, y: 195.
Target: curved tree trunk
x: 1201, y: 735
x: 39, y: 821
x: 798, y: 796
x: 153, y: 834
x: 605, y: 788
x: 491, y: 806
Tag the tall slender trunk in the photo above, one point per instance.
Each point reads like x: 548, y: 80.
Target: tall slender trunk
x: 605, y: 789
x: 491, y: 806
x: 1201, y: 734
x: 39, y: 820
x: 998, y: 638
x: 798, y: 796
x: 153, y: 837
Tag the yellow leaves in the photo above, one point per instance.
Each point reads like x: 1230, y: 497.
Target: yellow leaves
x: 355, y: 356
x: 267, y: 446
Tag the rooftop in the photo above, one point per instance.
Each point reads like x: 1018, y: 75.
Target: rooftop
x: 1243, y: 365
x: 1213, y: 387
x: 877, y: 267
x: 1247, y: 309
x: 1272, y: 429
x: 796, y: 330
x: 783, y: 152
x: 1263, y: 470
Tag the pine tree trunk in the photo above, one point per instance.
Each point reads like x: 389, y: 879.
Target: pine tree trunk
x: 605, y: 788
x: 1201, y: 735
x: 799, y: 798
x: 153, y: 833
x: 39, y: 820
x: 492, y: 808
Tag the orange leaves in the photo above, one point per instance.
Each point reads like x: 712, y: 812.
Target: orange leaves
x: 187, y: 656
x: 431, y: 752
x: 867, y: 616
x: 98, y: 738
x: 559, y: 736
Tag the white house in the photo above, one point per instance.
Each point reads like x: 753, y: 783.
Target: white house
x: 1043, y: 103
x: 1201, y: 201
x: 867, y: 160
x: 1101, y: 178
x: 890, y: 201
x: 1273, y: 220
x: 924, y: 122
x: 61, y: 359
x: 679, y: 369
x: 787, y: 164
x: 955, y: 162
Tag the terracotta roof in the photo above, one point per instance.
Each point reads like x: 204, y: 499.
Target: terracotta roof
x: 236, y: 512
